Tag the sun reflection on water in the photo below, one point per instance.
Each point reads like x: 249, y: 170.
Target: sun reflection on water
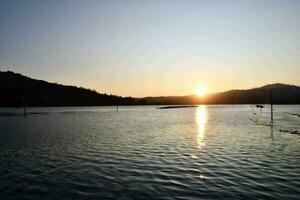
x: 201, y: 119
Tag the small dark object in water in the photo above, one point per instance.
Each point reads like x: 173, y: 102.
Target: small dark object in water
x: 169, y: 107
x: 259, y: 106
x: 290, y: 131
x: 298, y: 115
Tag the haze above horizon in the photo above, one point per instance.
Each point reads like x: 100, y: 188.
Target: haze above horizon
x: 153, y: 48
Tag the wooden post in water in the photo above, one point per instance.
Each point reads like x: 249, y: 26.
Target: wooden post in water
x: 117, y: 103
x: 25, y: 110
x: 271, y: 101
x: 24, y: 106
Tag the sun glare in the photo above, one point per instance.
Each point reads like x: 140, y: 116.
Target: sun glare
x: 200, y: 91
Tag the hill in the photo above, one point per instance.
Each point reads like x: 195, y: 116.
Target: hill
x: 18, y: 90
x: 282, y: 94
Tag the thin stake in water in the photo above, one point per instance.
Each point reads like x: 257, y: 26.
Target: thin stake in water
x: 271, y: 101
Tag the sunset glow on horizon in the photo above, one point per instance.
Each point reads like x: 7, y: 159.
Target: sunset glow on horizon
x: 153, y: 48
x: 200, y: 91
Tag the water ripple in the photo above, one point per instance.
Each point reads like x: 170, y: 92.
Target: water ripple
x: 209, y: 152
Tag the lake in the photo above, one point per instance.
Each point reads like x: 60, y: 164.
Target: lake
x: 140, y: 152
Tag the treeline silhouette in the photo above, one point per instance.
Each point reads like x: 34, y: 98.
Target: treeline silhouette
x: 18, y: 90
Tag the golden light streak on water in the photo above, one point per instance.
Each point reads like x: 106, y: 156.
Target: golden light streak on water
x: 201, y: 119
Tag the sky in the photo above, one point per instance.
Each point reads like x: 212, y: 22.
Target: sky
x: 152, y: 47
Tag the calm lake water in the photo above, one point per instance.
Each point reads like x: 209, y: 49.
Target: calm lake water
x: 208, y: 152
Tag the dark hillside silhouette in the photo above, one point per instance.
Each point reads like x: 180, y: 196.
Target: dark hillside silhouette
x: 19, y: 90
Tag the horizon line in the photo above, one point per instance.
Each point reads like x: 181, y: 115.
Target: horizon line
x: 150, y: 96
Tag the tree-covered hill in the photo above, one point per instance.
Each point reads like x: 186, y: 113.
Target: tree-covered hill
x: 19, y: 90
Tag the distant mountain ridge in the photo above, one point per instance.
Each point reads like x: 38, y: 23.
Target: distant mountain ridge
x: 19, y: 90
x: 278, y: 86
x: 281, y: 94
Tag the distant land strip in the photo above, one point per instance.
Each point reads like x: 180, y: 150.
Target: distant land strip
x: 183, y: 106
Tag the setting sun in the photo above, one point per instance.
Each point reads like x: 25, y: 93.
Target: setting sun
x: 200, y: 91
